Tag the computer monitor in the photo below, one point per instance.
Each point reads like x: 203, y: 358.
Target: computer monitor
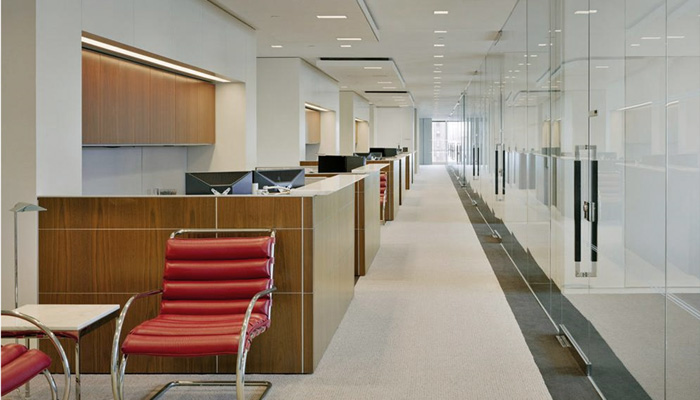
x: 287, y: 177
x: 237, y: 182
x: 386, y: 151
x: 339, y: 163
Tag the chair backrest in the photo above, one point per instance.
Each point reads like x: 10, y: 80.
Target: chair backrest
x: 217, y: 275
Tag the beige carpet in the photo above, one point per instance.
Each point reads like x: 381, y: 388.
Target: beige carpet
x: 429, y: 321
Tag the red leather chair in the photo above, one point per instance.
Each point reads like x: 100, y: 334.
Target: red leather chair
x: 383, y: 184
x: 216, y: 298
x: 20, y: 365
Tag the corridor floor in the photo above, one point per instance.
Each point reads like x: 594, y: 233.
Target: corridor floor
x: 429, y: 321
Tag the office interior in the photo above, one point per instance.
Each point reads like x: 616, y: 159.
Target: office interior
x: 573, y: 126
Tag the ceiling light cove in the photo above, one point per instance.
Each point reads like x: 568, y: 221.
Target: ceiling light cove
x: 349, y: 39
x: 332, y: 16
x: 152, y: 60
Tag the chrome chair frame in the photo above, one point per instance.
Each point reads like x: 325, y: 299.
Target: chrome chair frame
x: 118, y: 368
x: 61, y: 353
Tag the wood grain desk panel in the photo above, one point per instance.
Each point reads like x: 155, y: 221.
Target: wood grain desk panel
x: 103, y: 250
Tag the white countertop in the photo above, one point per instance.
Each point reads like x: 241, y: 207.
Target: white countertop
x: 369, y: 168
x: 328, y: 185
x: 58, y: 317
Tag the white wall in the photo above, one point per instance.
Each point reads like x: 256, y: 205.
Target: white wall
x: 352, y: 106
x: 318, y: 88
x: 280, y: 141
x: 194, y: 32
x: 59, y: 97
x: 394, y: 126
x: 284, y: 85
x: 18, y: 147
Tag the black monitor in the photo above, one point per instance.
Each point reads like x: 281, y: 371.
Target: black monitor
x: 237, y: 182
x: 339, y: 163
x: 287, y: 177
x: 386, y: 151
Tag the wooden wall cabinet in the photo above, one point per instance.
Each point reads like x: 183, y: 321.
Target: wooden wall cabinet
x: 125, y: 103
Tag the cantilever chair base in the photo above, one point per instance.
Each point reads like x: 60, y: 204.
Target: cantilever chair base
x: 267, y: 385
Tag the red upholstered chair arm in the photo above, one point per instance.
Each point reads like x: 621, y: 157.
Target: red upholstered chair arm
x: 50, y: 335
x: 244, y: 327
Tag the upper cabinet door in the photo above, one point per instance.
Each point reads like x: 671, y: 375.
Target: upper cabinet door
x: 126, y: 103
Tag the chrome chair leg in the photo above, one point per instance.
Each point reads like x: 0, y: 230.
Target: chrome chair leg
x: 52, y: 384
x: 240, y: 376
x: 118, y: 371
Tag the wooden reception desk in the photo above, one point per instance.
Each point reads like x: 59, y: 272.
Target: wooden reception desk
x: 100, y: 250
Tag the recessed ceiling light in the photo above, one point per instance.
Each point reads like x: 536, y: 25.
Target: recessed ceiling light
x: 439, y: 31
x: 438, y: 56
x: 542, y: 44
x: 438, y: 45
x: 389, y: 87
x: 602, y: 66
x: 385, y: 83
x: 651, y: 37
x: 345, y: 45
x: 585, y: 12
x: 373, y: 67
x: 276, y: 46
x: 436, y: 77
x: 332, y: 16
x: 437, y: 65
x: 675, y: 37
x: 635, y: 45
x: 437, y: 72
x: 441, y: 12
x: 349, y: 38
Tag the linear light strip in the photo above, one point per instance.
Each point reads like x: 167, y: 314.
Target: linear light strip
x: 151, y: 60
x: 313, y: 107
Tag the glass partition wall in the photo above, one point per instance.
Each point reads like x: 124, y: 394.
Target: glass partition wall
x: 581, y: 136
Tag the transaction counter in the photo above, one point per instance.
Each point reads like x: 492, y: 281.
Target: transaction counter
x: 101, y: 250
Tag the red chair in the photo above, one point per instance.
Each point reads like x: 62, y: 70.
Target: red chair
x: 20, y: 365
x: 383, y: 184
x: 216, y: 298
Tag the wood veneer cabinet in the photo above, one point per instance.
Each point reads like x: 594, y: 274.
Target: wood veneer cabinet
x: 125, y: 103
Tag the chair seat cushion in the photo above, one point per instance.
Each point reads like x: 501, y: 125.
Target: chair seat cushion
x: 176, y: 335
x: 22, y: 365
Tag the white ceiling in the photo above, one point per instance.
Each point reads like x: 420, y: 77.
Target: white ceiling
x: 405, y: 31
